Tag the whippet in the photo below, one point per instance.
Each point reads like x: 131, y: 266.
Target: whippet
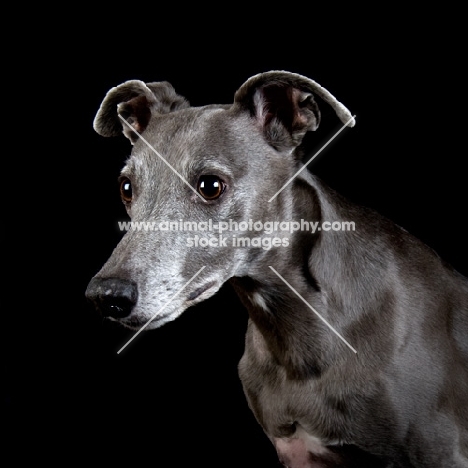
x: 356, y: 351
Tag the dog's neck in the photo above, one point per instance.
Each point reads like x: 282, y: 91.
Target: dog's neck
x: 291, y: 331
x: 284, y: 295
x: 323, y: 281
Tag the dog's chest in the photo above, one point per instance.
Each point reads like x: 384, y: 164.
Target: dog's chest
x: 281, y: 404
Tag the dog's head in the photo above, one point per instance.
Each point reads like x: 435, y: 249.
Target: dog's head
x: 194, y: 175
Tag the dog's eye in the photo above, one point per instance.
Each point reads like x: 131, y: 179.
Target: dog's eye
x: 126, y: 190
x: 210, y: 187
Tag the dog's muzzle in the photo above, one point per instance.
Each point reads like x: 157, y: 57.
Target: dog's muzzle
x: 113, y: 297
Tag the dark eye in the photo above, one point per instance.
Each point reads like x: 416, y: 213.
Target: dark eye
x: 126, y: 190
x: 210, y: 187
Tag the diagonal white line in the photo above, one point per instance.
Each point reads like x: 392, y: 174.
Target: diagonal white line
x: 310, y: 160
x: 161, y: 309
x: 313, y: 310
x: 161, y: 158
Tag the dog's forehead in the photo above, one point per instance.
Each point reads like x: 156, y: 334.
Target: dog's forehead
x: 194, y: 137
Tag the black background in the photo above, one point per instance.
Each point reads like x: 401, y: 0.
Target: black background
x: 173, y: 398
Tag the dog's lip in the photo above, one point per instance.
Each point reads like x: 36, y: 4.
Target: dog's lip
x: 199, y: 291
x: 132, y: 322
x: 137, y: 323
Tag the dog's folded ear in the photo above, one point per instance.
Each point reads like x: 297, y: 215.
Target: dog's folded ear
x: 283, y: 105
x: 135, y: 102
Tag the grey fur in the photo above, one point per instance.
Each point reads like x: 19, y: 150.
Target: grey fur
x: 402, y: 400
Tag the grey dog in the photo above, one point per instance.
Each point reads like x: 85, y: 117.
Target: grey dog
x: 356, y: 351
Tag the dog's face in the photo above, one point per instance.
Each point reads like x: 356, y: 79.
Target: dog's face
x: 193, y: 176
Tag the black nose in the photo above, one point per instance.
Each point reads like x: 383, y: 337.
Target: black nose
x: 113, y: 297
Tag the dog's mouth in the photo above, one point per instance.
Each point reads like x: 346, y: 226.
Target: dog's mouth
x: 199, y: 291
x: 134, y: 321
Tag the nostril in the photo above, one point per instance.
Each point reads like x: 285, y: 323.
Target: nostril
x: 115, y: 307
x: 113, y: 297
